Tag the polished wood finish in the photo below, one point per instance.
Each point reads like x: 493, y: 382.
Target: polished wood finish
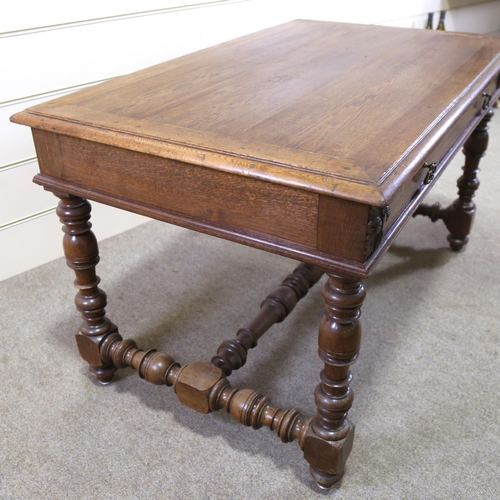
x: 232, y: 354
x: 204, y: 388
x: 329, y: 440
x: 315, y: 141
x: 301, y: 148
x: 82, y: 255
x: 193, y: 191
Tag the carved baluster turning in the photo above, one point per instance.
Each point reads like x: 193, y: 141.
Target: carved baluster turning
x: 434, y: 212
x: 204, y: 388
x: 82, y: 255
x: 254, y: 410
x: 153, y: 366
x: 232, y: 354
x: 328, y: 441
x: 459, y: 216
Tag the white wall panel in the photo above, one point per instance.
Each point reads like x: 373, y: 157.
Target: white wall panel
x: 33, y: 243
x: 418, y: 22
x: 60, y: 58
x: 221, y: 25
x: 484, y: 18
x: 29, y: 245
x: 30, y: 14
x: 19, y: 195
x: 63, y: 57
x: 16, y: 140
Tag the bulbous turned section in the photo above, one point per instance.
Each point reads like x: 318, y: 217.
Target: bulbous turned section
x: 328, y: 441
x: 232, y: 354
x: 254, y: 410
x: 434, y: 212
x: 155, y: 367
x: 333, y: 400
x: 82, y: 255
x: 461, y: 213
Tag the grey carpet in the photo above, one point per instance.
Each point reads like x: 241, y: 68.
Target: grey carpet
x: 427, y: 383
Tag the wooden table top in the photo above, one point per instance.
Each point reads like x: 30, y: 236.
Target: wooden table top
x: 339, y: 109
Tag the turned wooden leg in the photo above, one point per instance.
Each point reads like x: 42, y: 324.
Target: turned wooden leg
x: 82, y: 255
x: 328, y: 441
x: 461, y: 213
x: 459, y: 216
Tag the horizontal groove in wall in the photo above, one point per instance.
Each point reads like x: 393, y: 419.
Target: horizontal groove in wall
x: 117, y: 17
x: 49, y: 95
x: 27, y: 218
x: 16, y: 164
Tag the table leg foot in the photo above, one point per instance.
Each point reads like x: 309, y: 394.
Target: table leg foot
x: 103, y: 374
x: 327, y: 458
x: 457, y: 244
x: 82, y: 255
x: 325, y: 481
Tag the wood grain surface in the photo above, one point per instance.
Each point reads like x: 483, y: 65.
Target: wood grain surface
x: 340, y: 109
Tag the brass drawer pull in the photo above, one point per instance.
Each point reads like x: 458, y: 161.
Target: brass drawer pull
x: 431, y: 173
x: 487, y: 101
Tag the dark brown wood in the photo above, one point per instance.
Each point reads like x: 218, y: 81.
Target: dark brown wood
x: 342, y: 227
x: 82, y: 255
x: 459, y: 216
x: 254, y: 410
x: 232, y: 354
x: 311, y: 140
x: 328, y: 441
x: 204, y: 388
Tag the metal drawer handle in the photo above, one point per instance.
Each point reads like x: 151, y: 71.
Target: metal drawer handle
x: 431, y: 173
x: 487, y: 101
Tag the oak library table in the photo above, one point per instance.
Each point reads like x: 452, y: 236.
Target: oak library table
x: 312, y: 140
